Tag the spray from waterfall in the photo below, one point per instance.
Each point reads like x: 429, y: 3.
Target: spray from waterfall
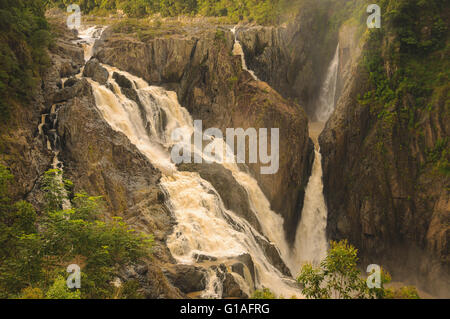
x: 327, y: 95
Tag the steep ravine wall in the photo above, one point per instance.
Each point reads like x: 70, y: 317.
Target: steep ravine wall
x: 292, y: 58
x: 381, y: 194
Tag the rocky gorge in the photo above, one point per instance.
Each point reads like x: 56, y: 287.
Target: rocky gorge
x: 381, y: 191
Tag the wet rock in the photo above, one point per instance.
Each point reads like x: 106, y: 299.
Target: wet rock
x: 70, y: 82
x: 231, y: 288
x: 187, y: 278
x: 78, y: 87
x: 247, y: 260
x: 94, y: 70
x: 152, y: 283
x: 273, y: 255
x: 122, y: 81
x: 111, y: 87
x: 200, y: 257
x: 238, y: 268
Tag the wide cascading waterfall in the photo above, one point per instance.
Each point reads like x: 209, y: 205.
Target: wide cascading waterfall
x: 327, y: 95
x: 238, y: 51
x: 204, y: 226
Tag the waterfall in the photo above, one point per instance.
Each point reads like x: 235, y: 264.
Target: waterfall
x: 327, y: 95
x: 49, y: 121
x: 311, y: 241
x: 238, y: 51
x: 204, y: 226
x: 87, y: 37
x: 47, y: 130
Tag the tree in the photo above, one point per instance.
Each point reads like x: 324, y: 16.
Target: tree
x: 59, y: 290
x: 338, y: 277
x: 34, y: 250
x: 263, y: 294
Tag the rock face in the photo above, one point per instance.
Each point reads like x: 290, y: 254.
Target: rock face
x: 381, y: 193
x: 23, y: 148
x: 187, y: 278
x: 97, y: 160
x: 292, y: 58
x: 213, y: 87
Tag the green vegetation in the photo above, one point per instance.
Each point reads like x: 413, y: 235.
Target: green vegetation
x: 408, y: 66
x: 263, y: 294
x: 24, y: 39
x: 35, y: 249
x: 261, y: 11
x: 338, y: 277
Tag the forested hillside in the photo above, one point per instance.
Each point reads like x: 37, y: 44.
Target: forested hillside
x: 24, y: 39
x: 261, y: 11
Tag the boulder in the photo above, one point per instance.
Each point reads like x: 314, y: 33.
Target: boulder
x: 187, y: 278
x: 232, y: 289
x: 122, y: 81
x: 95, y: 71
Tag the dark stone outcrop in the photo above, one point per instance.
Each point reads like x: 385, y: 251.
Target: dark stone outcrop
x: 122, y: 81
x: 187, y: 278
x: 94, y: 70
x: 247, y: 260
x: 75, y: 87
x: 231, y: 288
x: 271, y: 252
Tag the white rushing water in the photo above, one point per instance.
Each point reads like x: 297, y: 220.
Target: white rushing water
x: 87, y: 37
x: 237, y: 50
x: 311, y: 241
x: 204, y: 226
x: 327, y: 94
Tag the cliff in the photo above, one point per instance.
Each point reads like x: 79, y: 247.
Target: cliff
x: 385, y: 151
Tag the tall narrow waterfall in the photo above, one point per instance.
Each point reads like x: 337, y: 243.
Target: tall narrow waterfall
x: 204, y: 226
x: 237, y: 50
x: 327, y: 94
x: 311, y: 241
